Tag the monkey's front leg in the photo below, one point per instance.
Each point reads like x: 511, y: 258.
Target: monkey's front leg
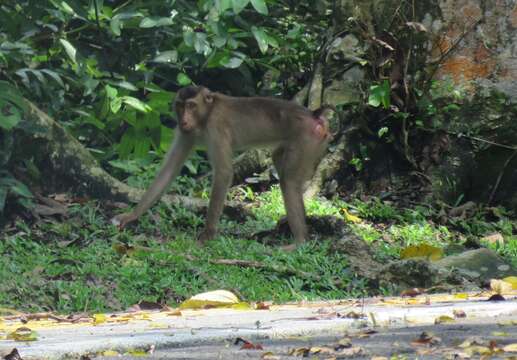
x: 172, y: 164
x: 223, y: 175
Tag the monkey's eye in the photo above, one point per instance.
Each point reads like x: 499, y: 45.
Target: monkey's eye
x: 190, y: 105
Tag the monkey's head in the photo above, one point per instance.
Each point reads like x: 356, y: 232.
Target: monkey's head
x: 193, y: 106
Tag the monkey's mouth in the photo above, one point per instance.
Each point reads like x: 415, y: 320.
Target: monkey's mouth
x: 186, y: 128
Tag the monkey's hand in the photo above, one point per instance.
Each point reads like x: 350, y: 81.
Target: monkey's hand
x: 122, y: 220
x: 206, y: 235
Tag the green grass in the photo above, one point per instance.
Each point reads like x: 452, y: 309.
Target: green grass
x: 72, y: 265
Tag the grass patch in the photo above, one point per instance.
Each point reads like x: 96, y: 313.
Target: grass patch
x: 72, y: 265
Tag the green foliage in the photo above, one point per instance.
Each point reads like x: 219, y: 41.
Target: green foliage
x: 380, y: 95
x: 13, y: 110
x: 108, y: 70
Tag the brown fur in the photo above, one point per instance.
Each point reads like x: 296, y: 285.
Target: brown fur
x: 224, y: 124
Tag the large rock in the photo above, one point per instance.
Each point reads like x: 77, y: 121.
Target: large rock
x: 483, y: 264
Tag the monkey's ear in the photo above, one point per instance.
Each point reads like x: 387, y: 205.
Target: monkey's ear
x: 209, y: 97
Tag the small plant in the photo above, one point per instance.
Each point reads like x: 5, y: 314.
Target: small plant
x: 13, y: 110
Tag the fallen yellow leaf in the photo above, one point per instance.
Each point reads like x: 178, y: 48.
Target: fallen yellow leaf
x: 510, y: 347
x: 175, y: 312
x: 351, y: 218
x: 500, y: 333
x: 500, y: 286
x: 461, y: 296
x: 99, y: 319
x: 217, y: 298
x: 443, y: 319
x: 110, y: 353
x: 137, y: 352
x: 22, y: 334
x: 478, y: 350
x: 427, y: 251
x: 512, y: 280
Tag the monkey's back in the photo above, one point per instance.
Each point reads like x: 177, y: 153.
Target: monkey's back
x: 263, y: 121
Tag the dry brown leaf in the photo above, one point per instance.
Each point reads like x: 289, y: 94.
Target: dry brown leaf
x: 261, y: 306
x: 426, y: 338
x: 247, y: 345
x: 459, y: 314
x: 412, y: 292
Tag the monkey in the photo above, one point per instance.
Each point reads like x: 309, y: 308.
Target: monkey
x: 297, y: 136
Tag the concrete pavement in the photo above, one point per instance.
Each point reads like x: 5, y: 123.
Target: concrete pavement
x: 210, y: 334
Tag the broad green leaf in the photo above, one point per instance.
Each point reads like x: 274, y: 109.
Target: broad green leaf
x: 239, y: 5
x: 136, y: 104
x: 260, y: 6
x: 142, y: 146
x: 219, y: 41
x: 111, y: 92
x: 261, y: 37
x: 217, y: 59
x: 39, y: 76
x: 160, y: 101
x: 70, y: 50
x: 126, y: 143
x: 166, y: 135
x: 272, y: 41
x: 115, y: 25
x: 117, y: 21
x: 234, y: 63
x: 66, y: 8
x: 115, y: 105
x: 380, y: 94
x: 150, y: 22
x: 10, y: 115
x: 189, y: 164
x: 54, y: 75
x: 201, y: 45
x: 22, y: 190
x: 22, y: 73
x: 170, y: 56
x: 11, y: 94
x: 188, y: 37
x: 183, y: 79
x: 125, y: 85
x: 222, y: 5
x: 382, y: 131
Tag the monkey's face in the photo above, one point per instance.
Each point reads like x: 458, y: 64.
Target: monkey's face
x: 193, y: 112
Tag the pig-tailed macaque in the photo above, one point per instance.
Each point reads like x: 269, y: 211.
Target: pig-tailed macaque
x: 298, y: 137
